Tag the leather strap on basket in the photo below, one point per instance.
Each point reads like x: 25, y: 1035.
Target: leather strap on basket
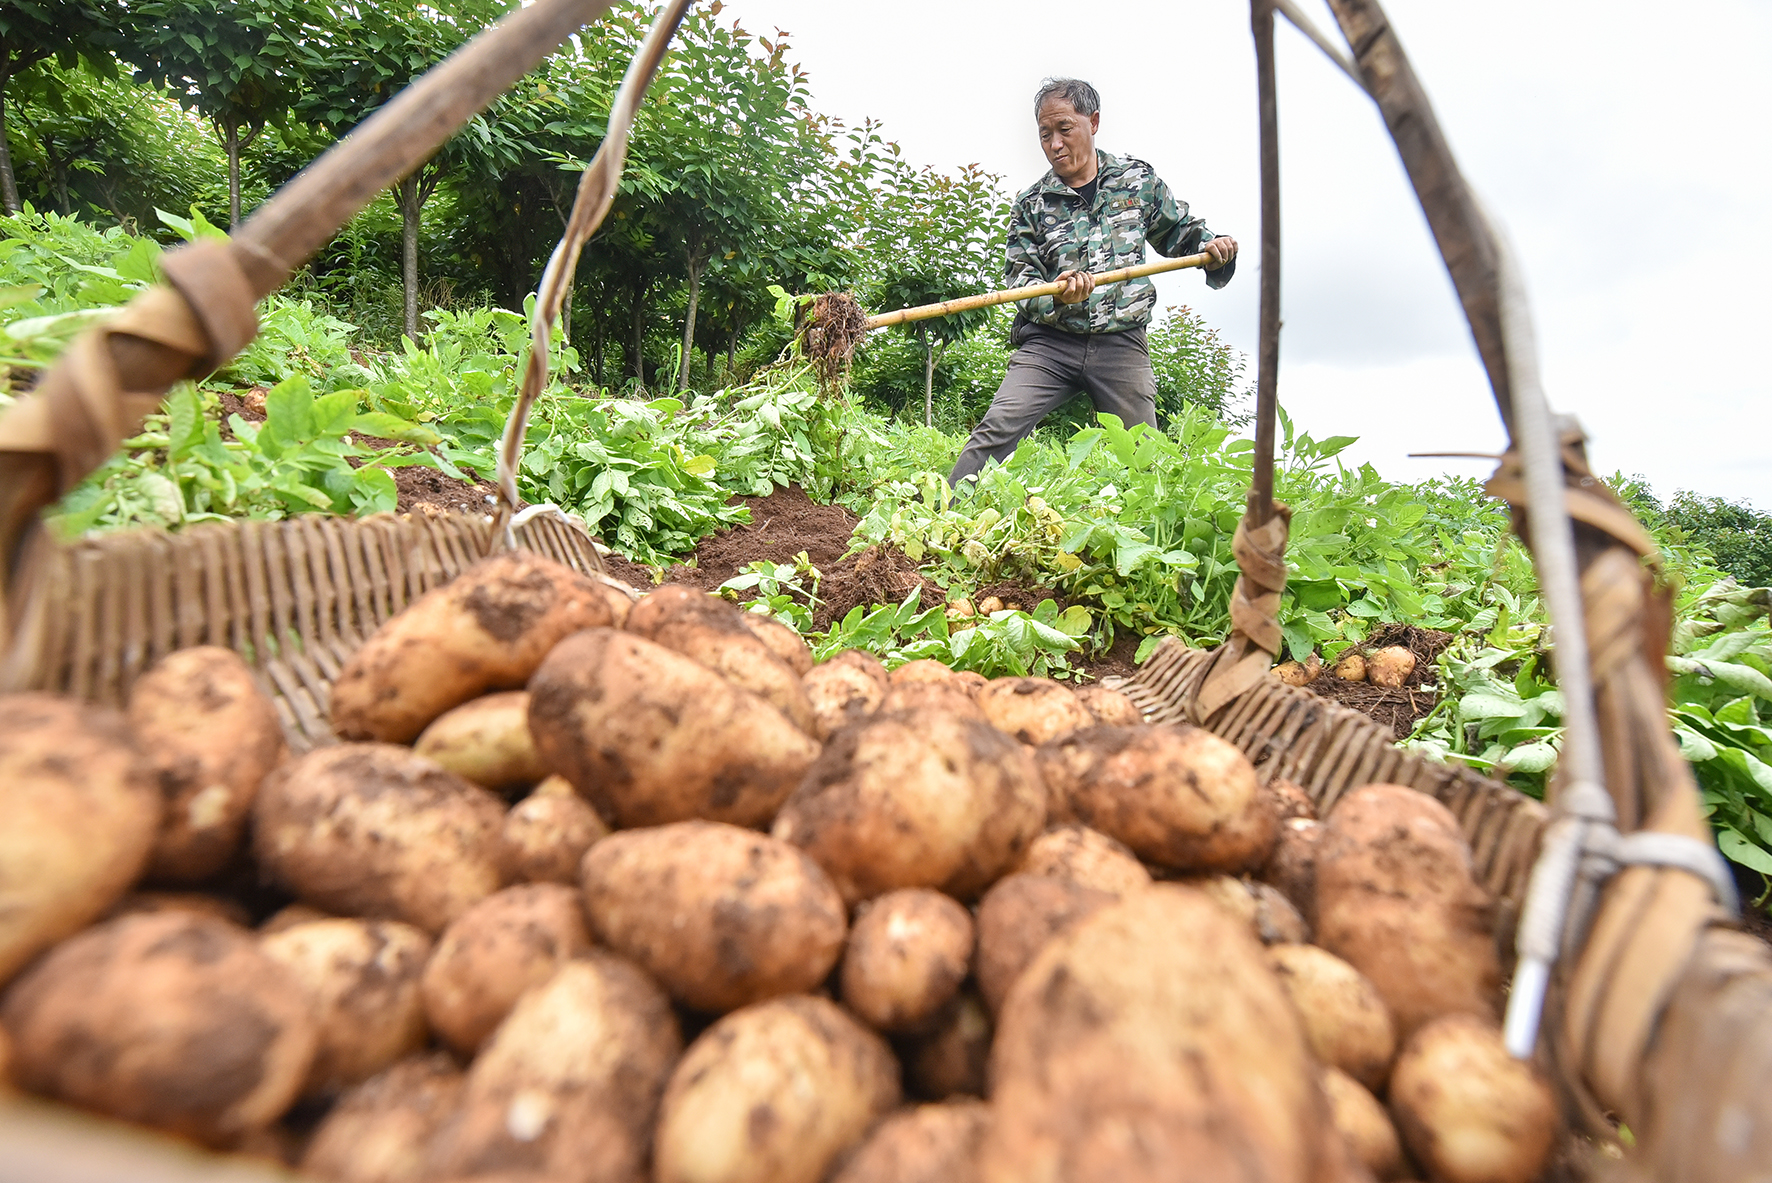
x: 1255, y: 640
x: 109, y: 380
x: 1649, y: 919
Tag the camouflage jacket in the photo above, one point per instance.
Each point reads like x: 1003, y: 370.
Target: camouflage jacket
x: 1052, y: 231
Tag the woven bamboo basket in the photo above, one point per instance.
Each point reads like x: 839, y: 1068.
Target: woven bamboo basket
x: 294, y: 598
x: 1291, y: 733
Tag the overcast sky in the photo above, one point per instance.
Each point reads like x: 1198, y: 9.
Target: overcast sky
x: 1623, y: 146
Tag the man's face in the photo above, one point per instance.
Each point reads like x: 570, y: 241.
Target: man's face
x: 1068, y: 139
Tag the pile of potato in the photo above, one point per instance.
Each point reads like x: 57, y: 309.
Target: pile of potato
x: 1387, y: 668
x: 599, y: 891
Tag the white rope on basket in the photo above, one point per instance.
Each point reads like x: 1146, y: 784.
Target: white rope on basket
x: 596, y: 193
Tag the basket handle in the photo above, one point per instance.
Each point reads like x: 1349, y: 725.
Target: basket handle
x: 113, y: 376
x: 597, y: 187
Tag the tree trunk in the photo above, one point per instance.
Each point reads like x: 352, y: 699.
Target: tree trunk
x: 58, y: 171
x: 928, y: 379
x: 731, y: 352
x: 597, y: 350
x: 695, y: 269
x: 637, y: 360
x: 409, y: 220
x: 8, y: 187
x: 233, y: 141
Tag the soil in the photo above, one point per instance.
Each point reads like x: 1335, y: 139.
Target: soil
x: 1015, y: 594
x: 782, y: 525
x: 1400, y: 709
x: 1116, y: 662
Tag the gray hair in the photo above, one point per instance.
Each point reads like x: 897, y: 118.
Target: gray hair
x: 1079, y: 94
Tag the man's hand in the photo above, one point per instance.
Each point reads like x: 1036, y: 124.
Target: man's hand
x: 1078, y: 285
x: 1222, y: 249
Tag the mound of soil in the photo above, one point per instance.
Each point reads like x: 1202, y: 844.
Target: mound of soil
x: 1400, y: 709
x: 782, y: 525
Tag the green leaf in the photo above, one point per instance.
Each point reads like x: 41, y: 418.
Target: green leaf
x: 1532, y: 758
x: 385, y: 426
x: 1742, y: 850
x: 373, y: 490
x: 289, y: 411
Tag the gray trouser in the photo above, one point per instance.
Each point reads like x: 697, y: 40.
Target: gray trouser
x: 1113, y: 369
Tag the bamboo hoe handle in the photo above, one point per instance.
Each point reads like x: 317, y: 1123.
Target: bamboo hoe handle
x: 992, y: 299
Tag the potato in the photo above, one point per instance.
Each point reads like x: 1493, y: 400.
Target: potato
x: 772, y: 1093
x: 1390, y: 667
x: 1270, y: 916
x: 362, y: 978
x: 649, y: 736
x: 1016, y: 919
x: 1152, y: 1034
x: 220, y: 907
x: 1292, y: 867
x: 374, y: 830
x: 844, y: 690
x: 908, y: 952
x: 921, y: 670
x: 920, y: 800
x: 1084, y: 856
x: 1291, y: 673
x: 928, y: 1144
x: 1033, y: 710
x: 486, y: 741
x: 289, y: 917
x: 713, y: 632
x: 1110, y: 706
x: 487, y: 630
x: 380, y: 1131
x: 1178, y: 796
x: 1363, y: 1125
x: 1289, y: 799
x: 1468, y: 1111
x: 210, y: 735
x: 970, y: 683
x: 547, y: 833
x: 1397, y: 900
x: 493, y: 952
x: 618, y: 596
x: 570, y: 1082
x: 5, y: 1063
x: 80, y: 816
x: 948, y: 698
x: 950, y: 1061
x: 172, y: 1020
x: 1345, y: 1020
x: 1351, y: 667
x: 783, y: 641
x: 722, y: 917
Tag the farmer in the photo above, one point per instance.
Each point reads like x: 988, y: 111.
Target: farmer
x: 1092, y: 212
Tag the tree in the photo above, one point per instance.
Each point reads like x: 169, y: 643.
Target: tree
x: 935, y: 237
x: 1193, y: 366
x: 734, y: 140
x: 363, y: 56
x: 32, y: 30
x: 233, y: 61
